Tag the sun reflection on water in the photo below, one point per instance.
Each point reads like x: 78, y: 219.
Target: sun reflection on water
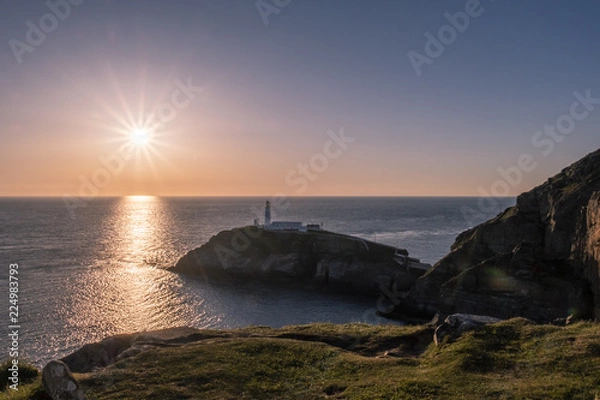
x: 132, y: 293
x: 139, y: 227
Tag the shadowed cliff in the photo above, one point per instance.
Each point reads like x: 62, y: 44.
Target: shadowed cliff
x: 538, y: 259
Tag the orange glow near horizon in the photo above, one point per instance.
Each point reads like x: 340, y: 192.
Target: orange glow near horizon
x: 148, y: 139
x: 151, y: 140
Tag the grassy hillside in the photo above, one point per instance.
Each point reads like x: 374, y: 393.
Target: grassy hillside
x: 509, y: 360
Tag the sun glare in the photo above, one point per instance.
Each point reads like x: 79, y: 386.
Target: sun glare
x: 140, y: 137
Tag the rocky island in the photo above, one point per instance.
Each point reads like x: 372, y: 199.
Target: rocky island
x: 311, y: 259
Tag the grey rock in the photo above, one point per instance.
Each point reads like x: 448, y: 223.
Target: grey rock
x: 457, y: 324
x: 98, y: 355
x: 112, y: 349
x: 59, y: 383
x: 563, y: 321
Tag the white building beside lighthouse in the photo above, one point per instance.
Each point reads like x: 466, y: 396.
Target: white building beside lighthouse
x: 284, y: 225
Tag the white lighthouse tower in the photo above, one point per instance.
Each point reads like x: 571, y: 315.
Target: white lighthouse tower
x: 267, y: 213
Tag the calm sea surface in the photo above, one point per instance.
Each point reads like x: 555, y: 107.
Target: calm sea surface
x: 101, y: 271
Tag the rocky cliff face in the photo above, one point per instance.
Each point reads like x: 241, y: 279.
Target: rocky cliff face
x: 588, y: 249
x: 538, y: 259
x: 314, y: 258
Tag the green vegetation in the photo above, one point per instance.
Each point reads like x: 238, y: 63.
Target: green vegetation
x: 513, y: 359
x: 27, y: 372
x: 573, y: 187
x: 31, y: 391
x: 30, y: 382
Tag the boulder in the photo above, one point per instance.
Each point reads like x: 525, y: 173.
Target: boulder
x: 457, y: 324
x: 59, y: 383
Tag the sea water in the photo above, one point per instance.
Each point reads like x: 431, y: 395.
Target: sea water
x: 99, y: 270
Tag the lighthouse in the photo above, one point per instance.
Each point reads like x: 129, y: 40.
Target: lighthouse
x: 268, y: 213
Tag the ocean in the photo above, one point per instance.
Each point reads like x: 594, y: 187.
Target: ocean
x: 99, y: 269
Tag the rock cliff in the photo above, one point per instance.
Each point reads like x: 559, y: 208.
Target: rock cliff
x: 538, y: 259
x: 316, y: 258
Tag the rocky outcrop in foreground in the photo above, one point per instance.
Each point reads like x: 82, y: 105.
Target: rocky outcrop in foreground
x: 457, y: 324
x: 108, y: 351
x: 317, y: 259
x: 59, y: 383
x: 538, y: 259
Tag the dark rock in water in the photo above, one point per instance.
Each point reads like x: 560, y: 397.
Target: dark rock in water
x: 314, y: 259
x: 59, y: 383
x: 457, y: 324
x: 538, y: 259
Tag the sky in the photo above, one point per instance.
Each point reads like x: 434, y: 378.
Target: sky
x: 294, y: 97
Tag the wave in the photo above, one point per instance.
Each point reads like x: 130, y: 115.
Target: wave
x: 407, y: 234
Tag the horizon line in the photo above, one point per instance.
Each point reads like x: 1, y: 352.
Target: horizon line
x: 251, y: 196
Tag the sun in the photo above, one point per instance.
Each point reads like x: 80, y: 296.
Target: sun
x: 140, y: 137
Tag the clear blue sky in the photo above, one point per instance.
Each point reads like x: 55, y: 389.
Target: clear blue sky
x: 271, y: 92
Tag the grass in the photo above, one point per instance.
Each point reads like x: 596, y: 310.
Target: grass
x: 513, y: 359
x: 30, y: 382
